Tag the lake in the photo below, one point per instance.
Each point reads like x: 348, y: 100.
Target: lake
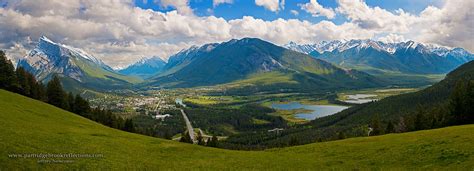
x: 318, y: 110
x: 360, y: 98
x: 180, y: 102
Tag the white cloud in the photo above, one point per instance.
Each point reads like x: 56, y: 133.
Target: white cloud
x: 282, y: 31
x: 217, y: 2
x: 450, y: 25
x: 375, y: 18
x: 272, y: 5
x: 119, y: 33
x: 392, y: 38
x: 316, y: 10
x: 282, y: 4
x: 294, y: 12
x: 181, y: 5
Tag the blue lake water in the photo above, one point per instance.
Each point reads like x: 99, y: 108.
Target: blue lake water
x: 360, y: 98
x: 318, y: 110
x: 180, y: 102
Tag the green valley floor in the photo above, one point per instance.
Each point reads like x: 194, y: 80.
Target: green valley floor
x: 32, y: 127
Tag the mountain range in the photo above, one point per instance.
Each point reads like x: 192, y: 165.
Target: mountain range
x: 76, y: 68
x: 145, y: 67
x: 255, y: 63
x: 250, y: 64
x: 378, y: 57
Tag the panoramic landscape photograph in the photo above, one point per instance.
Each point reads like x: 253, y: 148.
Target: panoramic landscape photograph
x: 236, y: 85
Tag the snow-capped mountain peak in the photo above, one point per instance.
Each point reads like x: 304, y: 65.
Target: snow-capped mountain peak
x: 54, y: 49
x: 49, y: 57
x: 321, y: 47
x: 340, y: 46
x: 145, y: 67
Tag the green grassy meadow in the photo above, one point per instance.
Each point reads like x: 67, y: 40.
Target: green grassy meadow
x: 29, y: 126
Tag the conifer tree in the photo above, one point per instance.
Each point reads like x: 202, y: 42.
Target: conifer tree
x: 81, y: 106
x: 390, y: 128
x: 55, y: 93
x: 401, y: 126
x: 462, y: 102
x: 186, y: 138
x: 8, y: 79
x: 376, y: 126
x: 421, y: 121
x: 70, y: 101
x: 214, y: 142
x: 24, y: 86
x: 129, y: 126
x: 35, y: 87
x: 200, y: 139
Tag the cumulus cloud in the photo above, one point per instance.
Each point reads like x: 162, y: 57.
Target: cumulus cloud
x: 272, y: 5
x: 119, y: 33
x: 181, y: 5
x: 450, y: 25
x: 392, y: 38
x: 281, y: 31
x: 316, y: 10
x: 375, y: 18
x: 217, y: 2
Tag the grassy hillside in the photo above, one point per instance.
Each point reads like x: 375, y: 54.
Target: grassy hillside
x: 29, y: 126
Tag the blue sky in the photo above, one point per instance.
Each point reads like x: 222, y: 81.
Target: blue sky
x: 240, y: 8
x: 123, y: 31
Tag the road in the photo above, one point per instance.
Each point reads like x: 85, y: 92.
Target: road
x: 189, y: 126
x: 156, y: 107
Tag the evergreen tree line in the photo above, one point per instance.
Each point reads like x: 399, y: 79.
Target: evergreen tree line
x: 22, y: 82
x: 210, y: 142
x: 167, y: 128
x: 458, y: 110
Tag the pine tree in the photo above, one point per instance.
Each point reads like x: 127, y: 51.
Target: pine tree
x: 55, y: 93
x: 71, y: 101
x: 129, y: 126
x: 390, y: 128
x: 376, y: 126
x: 81, y: 107
x: 186, y: 138
x: 421, y: 121
x: 8, y: 79
x: 168, y: 135
x: 462, y: 102
x: 293, y: 141
x: 66, y: 102
x: 214, y: 142
x: 41, y: 89
x: 24, y: 87
x: 35, y: 91
x: 401, y: 126
x: 341, y: 135
x: 200, y: 139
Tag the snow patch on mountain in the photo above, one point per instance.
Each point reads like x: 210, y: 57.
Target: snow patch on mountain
x: 49, y: 57
x: 329, y: 46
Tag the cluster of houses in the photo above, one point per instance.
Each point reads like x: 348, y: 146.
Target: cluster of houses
x: 146, y: 105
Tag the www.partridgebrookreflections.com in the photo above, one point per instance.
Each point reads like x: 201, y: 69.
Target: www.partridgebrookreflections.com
x: 52, y: 155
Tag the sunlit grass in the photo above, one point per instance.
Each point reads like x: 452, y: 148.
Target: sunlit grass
x: 30, y: 126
